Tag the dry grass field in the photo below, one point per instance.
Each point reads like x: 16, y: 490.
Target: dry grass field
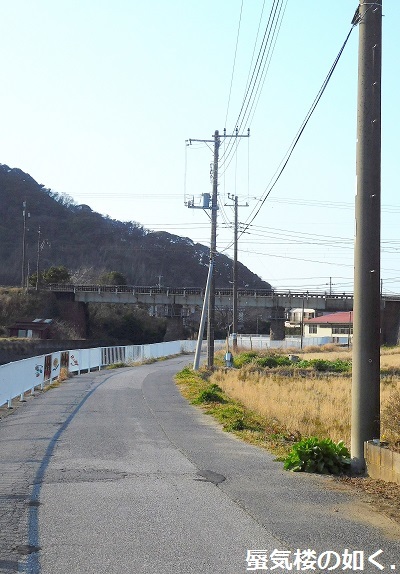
x: 286, y: 403
x: 310, y: 403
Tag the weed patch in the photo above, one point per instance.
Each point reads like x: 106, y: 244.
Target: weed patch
x: 316, y: 455
x: 197, y: 387
x: 323, y: 365
x: 211, y: 394
x: 244, y: 359
x: 116, y: 366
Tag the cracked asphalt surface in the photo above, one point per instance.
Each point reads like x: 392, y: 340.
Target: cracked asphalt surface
x: 114, y: 472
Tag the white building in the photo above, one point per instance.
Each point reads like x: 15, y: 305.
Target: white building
x: 297, y: 314
x: 332, y: 325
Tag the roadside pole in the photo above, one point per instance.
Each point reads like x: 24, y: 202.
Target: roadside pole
x: 365, y: 423
x: 213, y: 253
x: 200, y: 335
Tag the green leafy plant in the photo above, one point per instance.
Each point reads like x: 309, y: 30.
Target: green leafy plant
x: 318, y: 455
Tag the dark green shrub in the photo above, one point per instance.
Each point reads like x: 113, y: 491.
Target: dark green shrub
x: 318, y: 455
x: 272, y: 361
x: 267, y: 362
x: 322, y: 365
x: 235, y: 425
x: 212, y: 394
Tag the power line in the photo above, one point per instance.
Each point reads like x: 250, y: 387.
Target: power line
x: 234, y: 62
x: 295, y: 141
x: 253, y: 86
x: 266, y: 65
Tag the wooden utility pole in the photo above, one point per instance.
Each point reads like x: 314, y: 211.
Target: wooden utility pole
x: 365, y: 423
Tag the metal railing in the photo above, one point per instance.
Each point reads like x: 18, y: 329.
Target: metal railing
x: 20, y: 377
x: 293, y: 342
x: 154, y: 290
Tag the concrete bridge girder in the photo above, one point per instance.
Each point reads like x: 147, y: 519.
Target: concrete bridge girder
x: 247, y: 298
x: 224, y: 299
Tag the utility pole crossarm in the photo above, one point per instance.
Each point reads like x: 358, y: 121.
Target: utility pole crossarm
x: 224, y: 135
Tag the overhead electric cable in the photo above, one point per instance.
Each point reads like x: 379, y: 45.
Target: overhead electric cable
x: 234, y: 62
x: 289, y: 153
x: 255, y: 45
x: 264, y: 74
x: 253, y: 86
x: 249, y: 83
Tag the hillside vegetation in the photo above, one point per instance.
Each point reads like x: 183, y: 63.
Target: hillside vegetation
x: 113, y: 324
x: 90, y: 245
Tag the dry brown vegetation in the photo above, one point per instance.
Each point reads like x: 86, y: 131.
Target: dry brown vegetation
x: 313, y: 403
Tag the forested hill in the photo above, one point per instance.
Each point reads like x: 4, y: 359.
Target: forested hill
x: 89, y: 244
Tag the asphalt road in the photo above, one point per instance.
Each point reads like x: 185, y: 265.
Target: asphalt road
x: 114, y: 472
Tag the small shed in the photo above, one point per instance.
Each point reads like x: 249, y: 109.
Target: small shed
x: 36, y: 329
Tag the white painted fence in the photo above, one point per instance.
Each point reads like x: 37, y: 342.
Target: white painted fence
x: 264, y: 342
x: 20, y: 377
x: 24, y: 376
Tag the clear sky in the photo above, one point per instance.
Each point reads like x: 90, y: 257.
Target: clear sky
x: 98, y: 98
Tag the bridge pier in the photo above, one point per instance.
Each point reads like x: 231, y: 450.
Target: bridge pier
x: 257, y: 299
x: 390, y: 323
x: 175, y: 329
x: 277, y: 330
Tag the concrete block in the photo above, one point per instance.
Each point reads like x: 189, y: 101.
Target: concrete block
x: 373, y: 460
x: 396, y: 467
x: 382, y: 463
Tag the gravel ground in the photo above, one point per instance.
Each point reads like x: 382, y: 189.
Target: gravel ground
x: 384, y: 496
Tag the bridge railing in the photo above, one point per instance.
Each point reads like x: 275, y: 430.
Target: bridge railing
x: 183, y: 291
x: 20, y: 377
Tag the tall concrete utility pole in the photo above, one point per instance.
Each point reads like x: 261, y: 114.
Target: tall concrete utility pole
x: 365, y: 423
x: 235, y: 308
x: 38, y: 259
x: 25, y: 214
x: 213, y: 243
x: 213, y: 252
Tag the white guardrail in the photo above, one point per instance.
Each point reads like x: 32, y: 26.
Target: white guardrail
x: 20, y: 377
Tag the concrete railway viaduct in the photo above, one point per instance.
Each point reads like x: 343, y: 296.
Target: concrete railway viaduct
x: 179, y: 302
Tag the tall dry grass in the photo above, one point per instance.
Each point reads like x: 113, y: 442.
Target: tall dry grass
x: 312, y: 404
